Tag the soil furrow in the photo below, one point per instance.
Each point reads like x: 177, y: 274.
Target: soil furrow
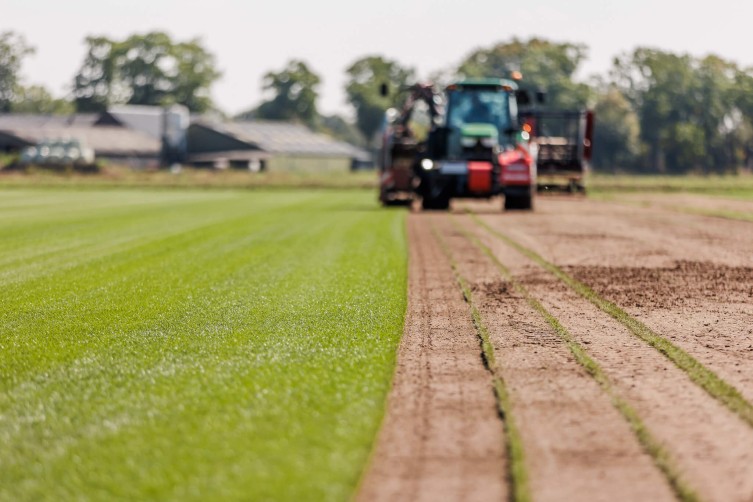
x: 687, y: 277
x: 710, y: 443
x: 442, y: 438
x: 518, y: 475
x: 661, y: 458
x: 715, y: 206
x: 578, y: 447
x: 597, y: 408
x: 698, y: 373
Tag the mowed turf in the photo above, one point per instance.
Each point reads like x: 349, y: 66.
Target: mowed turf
x: 193, y: 345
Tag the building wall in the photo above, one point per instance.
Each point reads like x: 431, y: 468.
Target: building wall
x: 297, y: 163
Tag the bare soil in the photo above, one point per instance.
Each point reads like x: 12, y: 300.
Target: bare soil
x: 688, y: 277
x: 578, y: 446
x: 675, y: 287
x: 690, y: 202
x: 442, y: 438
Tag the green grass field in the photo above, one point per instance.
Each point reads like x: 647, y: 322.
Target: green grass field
x: 740, y: 186
x: 123, y: 177
x: 118, y: 177
x: 194, y: 345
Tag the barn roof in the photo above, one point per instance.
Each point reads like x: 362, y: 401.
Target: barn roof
x: 284, y: 138
x: 15, y: 121
x: 105, y: 140
x: 147, y: 119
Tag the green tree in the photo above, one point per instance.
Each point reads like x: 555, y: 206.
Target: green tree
x: 94, y: 86
x: 148, y: 69
x: 13, y: 49
x: 658, y: 83
x: 195, y: 71
x: 545, y: 65
x: 686, y: 146
x: 685, y: 106
x: 145, y: 66
x: 36, y: 99
x: 617, y: 132
x: 342, y: 129
x: 743, y: 92
x: 742, y: 96
x: 294, y: 94
x: 716, y: 113
x: 365, y: 77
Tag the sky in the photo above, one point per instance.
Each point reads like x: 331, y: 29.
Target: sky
x: 252, y: 37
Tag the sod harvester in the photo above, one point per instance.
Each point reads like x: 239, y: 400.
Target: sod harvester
x: 480, y: 145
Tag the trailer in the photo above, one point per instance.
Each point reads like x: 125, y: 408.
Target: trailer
x: 561, y: 142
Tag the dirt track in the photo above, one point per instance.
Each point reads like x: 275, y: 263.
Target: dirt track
x: 689, y: 278
x: 442, y: 437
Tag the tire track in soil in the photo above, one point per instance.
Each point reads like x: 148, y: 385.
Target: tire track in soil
x: 441, y: 438
x: 682, y: 275
x: 713, y: 447
x: 704, y: 308
x: 517, y: 473
x: 578, y: 446
x: 702, y: 376
x: 716, y: 206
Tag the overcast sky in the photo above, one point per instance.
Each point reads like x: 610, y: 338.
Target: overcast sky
x: 251, y: 37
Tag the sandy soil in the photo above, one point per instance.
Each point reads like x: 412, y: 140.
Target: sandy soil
x: 578, y: 446
x: 690, y: 202
x: 688, y: 277
x: 442, y: 438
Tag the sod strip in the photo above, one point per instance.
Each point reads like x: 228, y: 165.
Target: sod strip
x: 517, y: 474
x: 650, y: 444
x: 713, y: 213
x: 698, y: 373
x: 726, y: 214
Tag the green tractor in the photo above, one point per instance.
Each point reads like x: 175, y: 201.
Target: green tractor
x: 475, y: 148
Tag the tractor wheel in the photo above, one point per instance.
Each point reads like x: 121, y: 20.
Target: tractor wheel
x: 437, y: 203
x: 523, y: 202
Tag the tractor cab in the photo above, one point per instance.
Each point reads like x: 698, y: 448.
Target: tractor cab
x: 479, y: 119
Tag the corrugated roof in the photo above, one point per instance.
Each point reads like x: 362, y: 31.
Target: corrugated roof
x: 13, y: 120
x: 105, y: 140
x: 147, y: 119
x: 284, y: 138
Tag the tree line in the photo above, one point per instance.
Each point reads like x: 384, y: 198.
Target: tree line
x: 657, y: 111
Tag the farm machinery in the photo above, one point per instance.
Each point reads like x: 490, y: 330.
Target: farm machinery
x: 477, y: 144
x: 562, y: 145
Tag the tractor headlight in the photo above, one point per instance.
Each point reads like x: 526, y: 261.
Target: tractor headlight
x: 468, y: 142
x: 489, y: 142
x: 427, y: 164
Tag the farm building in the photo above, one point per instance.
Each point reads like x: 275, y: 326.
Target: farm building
x: 112, y: 142
x: 150, y: 136
x: 267, y: 145
x: 146, y: 119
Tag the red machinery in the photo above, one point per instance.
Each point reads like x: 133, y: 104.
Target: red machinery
x: 478, y: 145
